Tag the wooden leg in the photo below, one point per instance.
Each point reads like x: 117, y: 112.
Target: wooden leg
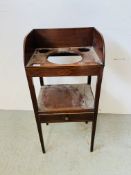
x: 41, y: 136
x: 97, y: 96
x: 93, y: 135
x: 89, y: 80
x: 86, y: 122
x: 47, y: 123
x: 41, y: 81
x: 35, y: 106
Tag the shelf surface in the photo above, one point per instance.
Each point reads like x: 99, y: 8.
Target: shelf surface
x: 40, y: 57
x: 66, y: 98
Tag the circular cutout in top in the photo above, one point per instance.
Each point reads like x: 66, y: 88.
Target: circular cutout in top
x: 84, y: 49
x: 64, y: 58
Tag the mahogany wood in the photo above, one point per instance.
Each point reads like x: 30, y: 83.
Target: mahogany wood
x: 39, y: 44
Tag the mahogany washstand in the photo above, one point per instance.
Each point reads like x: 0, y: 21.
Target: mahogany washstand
x: 64, y: 103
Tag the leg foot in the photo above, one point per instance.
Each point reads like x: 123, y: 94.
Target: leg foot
x: 41, y: 136
x: 93, y: 135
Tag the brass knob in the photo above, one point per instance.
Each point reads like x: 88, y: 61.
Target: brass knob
x: 66, y: 118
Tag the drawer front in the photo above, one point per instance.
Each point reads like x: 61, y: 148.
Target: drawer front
x: 66, y: 118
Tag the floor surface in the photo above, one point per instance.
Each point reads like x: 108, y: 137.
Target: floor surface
x: 67, y: 146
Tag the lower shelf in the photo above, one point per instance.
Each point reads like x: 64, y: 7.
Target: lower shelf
x: 66, y: 98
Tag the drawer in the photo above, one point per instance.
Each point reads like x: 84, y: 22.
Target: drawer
x: 54, y: 118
